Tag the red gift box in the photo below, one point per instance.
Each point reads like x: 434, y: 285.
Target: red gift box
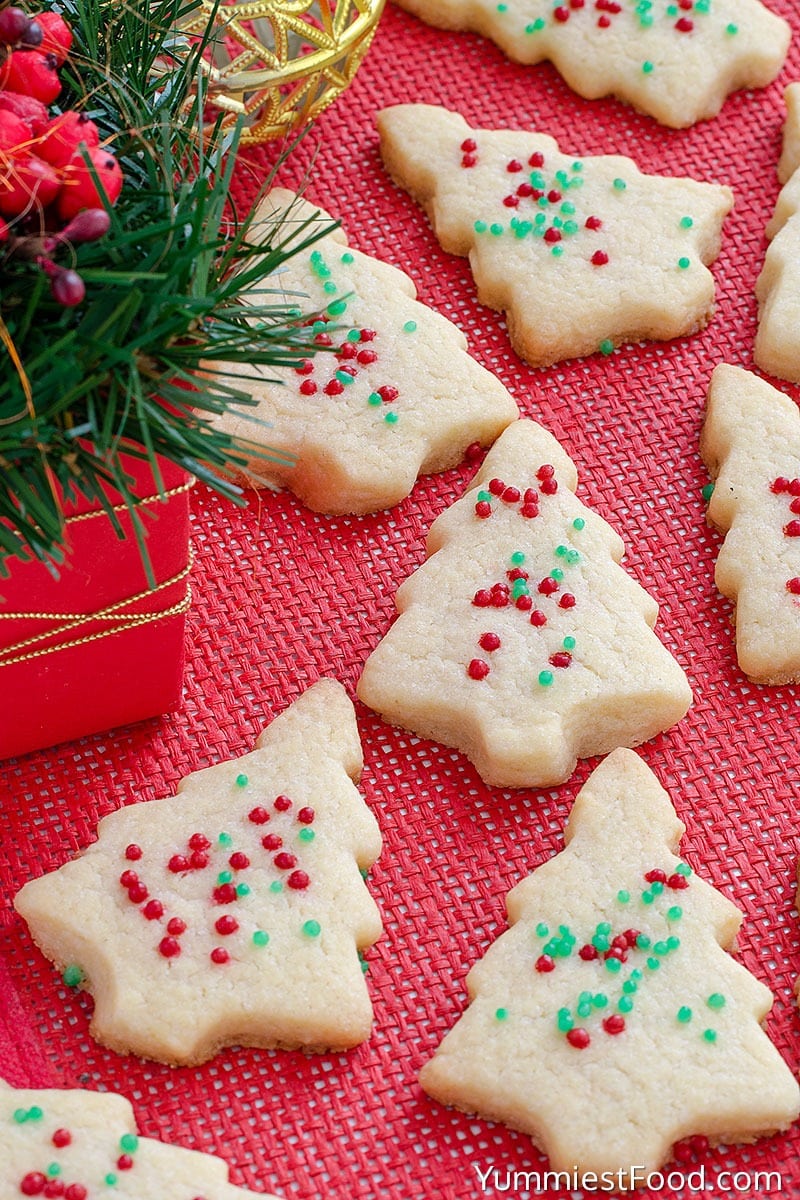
x: 99, y: 645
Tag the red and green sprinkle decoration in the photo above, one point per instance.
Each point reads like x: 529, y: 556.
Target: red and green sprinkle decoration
x: 679, y: 16
x: 279, y: 830
x: 790, y: 490
x: 537, y: 601
x: 50, y: 1180
x: 354, y: 350
x: 621, y: 957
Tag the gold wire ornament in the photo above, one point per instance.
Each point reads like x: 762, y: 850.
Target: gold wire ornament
x: 278, y: 63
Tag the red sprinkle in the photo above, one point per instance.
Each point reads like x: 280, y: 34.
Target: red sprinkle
x: 523, y: 603
x: 551, y: 236
x: 224, y: 894
x: 511, y: 201
x: 61, y: 1138
x: 33, y: 1183
x: 677, y: 882
x: 588, y: 952
x: 137, y: 893
x: 593, y: 223
x: 258, y: 816
x: 578, y: 1038
x: 308, y: 388
x: 226, y: 924
x: 239, y: 861
x: 536, y: 159
x: 561, y: 14
x: 285, y: 861
x: 133, y: 852
x: 538, y: 618
x: 272, y: 841
x: 178, y: 863
x: 153, y: 910
x: 282, y: 804
x: 478, y: 669
x: 128, y: 879
x: 549, y: 487
x: 124, y: 1162
x: 561, y: 659
x: 483, y: 509
x: 176, y: 926
x: 514, y: 166
x: 305, y: 368
x: 298, y: 881
x: 779, y: 485
x: 333, y: 388
x: 614, y: 1024
x: 792, y: 529
x: 482, y: 598
x: 388, y: 393
x: 684, y: 25
x: 793, y: 586
x: 199, y: 841
x: 545, y: 964
x: 567, y: 600
x: 169, y: 947
x: 489, y: 641
x: 219, y: 955
x: 548, y: 586
x: 367, y: 335
x: 496, y: 487
x: 599, y: 258
x: 365, y: 357
x: 199, y: 860
x: 75, y: 1191
x: 656, y: 876
x: 469, y: 145
x: 306, y: 816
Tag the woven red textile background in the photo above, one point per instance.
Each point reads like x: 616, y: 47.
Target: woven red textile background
x: 283, y: 597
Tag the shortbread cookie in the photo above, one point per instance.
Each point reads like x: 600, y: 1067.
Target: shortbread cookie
x: 82, y: 1145
x: 751, y: 446
x: 777, y: 344
x: 233, y: 912
x: 580, y: 253
x: 676, y: 61
x: 395, y: 395
x: 790, y: 148
x: 520, y: 641
x: 609, y: 1022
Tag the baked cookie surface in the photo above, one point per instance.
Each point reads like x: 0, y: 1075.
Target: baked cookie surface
x: 676, y: 61
x: 82, y: 1145
x: 234, y: 912
x: 521, y: 641
x: 390, y: 394
x: 579, y: 253
x: 609, y: 1022
x: 751, y: 446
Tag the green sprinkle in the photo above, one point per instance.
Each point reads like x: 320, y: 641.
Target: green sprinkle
x: 630, y: 986
x: 34, y: 1113
x: 353, y: 335
x: 536, y: 25
x: 716, y: 1000
x: 364, y: 963
x: 684, y: 1015
x: 557, y: 250
x: 306, y: 835
x: 613, y: 965
x: 501, y: 1014
x: 129, y: 1142
x: 391, y: 418
x: 584, y: 1008
x: 347, y: 257
x: 623, y: 896
x: 241, y: 781
x: 683, y: 869
x: 20, y: 1115
x: 501, y: 8
x: 604, y: 928
x: 661, y: 948
x: 686, y: 222
x: 564, y: 1020
x: 606, y: 346
x: 731, y: 29
x: 225, y: 877
x: 276, y: 886
x: 675, y: 913
x: 646, y: 20
x: 709, y: 1035
x: 243, y: 889
x: 707, y: 492
x: 647, y: 67
x: 567, y: 208
x: 673, y: 943
x: 480, y: 227
x: 542, y: 930
x: 636, y: 973
x: 557, y: 574
x: 579, y: 523
x: 656, y: 887
x: 225, y: 839
x: 330, y: 287
x: 54, y: 1169
x: 374, y: 399
x: 72, y: 977
x: 647, y: 897
x: 625, y: 1004
x: 410, y: 327
x: 683, y: 263
x: 312, y: 929
x: 619, y: 185
x: 344, y: 377
x: 654, y: 963
x: 577, y: 165
x: 518, y: 558
x: 260, y: 938
x: 600, y: 1000
x: 110, y: 1179
x: 545, y: 678
x: 643, y: 942
x: 337, y: 308
x: 496, y: 230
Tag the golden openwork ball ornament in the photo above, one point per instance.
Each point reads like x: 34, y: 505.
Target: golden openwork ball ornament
x: 278, y: 63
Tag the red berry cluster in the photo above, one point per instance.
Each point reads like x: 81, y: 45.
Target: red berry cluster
x: 49, y: 192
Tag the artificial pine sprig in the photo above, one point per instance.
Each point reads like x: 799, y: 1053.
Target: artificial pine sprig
x: 130, y: 370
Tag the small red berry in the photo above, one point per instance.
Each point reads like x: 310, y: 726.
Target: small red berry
x: 79, y: 190
x: 32, y: 74
x: 26, y: 182
x: 14, y: 131
x: 64, y: 135
x: 28, y: 109
x: 57, y: 35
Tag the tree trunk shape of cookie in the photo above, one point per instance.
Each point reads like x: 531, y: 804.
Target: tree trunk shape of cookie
x: 751, y: 446
x: 674, y: 59
x: 390, y: 394
x: 777, y: 345
x: 233, y: 912
x: 82, y: 1145
x: 521, y: 641
x: 580, y: 253
x: 609, y: 1022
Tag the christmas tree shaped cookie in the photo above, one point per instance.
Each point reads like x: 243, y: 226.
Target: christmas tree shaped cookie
x: 390, y: 394
x: 674, y: 59
x: 82, y: 1145
x: 521, y: 641
x: 777, y: 344
x: 580, y: 253
x: 751, y: 446
x: 609, y: 1022
x: 233, y: 912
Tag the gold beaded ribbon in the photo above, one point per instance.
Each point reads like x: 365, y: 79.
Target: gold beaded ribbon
x: 117, y: 615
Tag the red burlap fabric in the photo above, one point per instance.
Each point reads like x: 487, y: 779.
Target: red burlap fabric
x: 283, y: 597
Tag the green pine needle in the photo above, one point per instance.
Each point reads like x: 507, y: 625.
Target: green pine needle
x: 164, y: 294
